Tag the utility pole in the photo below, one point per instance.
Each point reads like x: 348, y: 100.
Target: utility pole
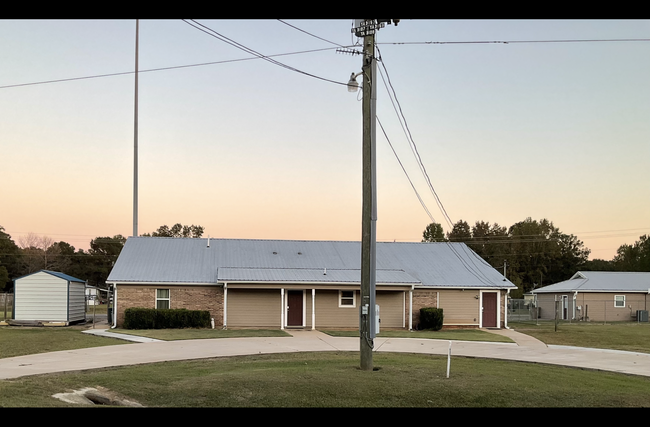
x: 367, y: 320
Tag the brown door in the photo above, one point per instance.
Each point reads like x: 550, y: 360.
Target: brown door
x: 489, y: 310
x: 294, y: 308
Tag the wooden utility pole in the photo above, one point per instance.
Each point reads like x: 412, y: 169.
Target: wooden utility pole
x: 369, y: 209
x: 367, y: 320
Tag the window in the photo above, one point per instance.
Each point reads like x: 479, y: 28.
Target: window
x: 162, y: 298
x: 347, y: 299
x: 619, y: 301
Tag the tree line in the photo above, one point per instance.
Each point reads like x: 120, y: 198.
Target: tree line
x: 32, y: 253
x: 536, y: 253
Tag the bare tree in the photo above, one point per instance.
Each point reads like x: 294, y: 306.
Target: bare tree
x: 36, y: 251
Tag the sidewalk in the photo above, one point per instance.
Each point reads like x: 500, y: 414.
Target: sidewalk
x: 151, y: 351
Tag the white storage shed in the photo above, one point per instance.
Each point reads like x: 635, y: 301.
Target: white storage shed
x: 49, y: 296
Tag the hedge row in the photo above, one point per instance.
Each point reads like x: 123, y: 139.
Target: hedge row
x: 431, y: 318
x: 150, y: 318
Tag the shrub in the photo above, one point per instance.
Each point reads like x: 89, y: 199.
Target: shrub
x: 150, y: 318
x: 431, y: 318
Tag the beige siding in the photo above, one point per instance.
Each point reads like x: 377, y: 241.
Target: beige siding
x: 330, y: 315
x: 460, y: 307
x: 391, y: 309
x: 595, y: 306
x: 546, y: 304
x: 600, y: 306
x: 253, y: 308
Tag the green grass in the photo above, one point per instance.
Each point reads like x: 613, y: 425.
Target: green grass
x: 628, y: 336
x: 334, y: 380
x: 451, y: 334
x: 193, y: 334
x: 20, y: 341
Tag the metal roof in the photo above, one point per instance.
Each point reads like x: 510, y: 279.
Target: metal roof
x: 56, y: 274
x: 178, y: 260
x: 601, y: 281
x: 310, y: 275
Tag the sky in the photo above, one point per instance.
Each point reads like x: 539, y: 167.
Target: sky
x: 542, y: 127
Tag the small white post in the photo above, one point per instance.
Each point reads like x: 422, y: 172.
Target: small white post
x: 448, y: 359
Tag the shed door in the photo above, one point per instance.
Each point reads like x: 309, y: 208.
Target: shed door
x: 489, y: 310
x: 294, y: 308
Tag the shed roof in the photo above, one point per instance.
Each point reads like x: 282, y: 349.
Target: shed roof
x: 205, y: 261
x: 56, y: 274
x: 601, y: 281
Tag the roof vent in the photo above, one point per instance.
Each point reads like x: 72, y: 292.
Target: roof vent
x: 325, y: 272
x: 208, y: 241
x: 275, y: 253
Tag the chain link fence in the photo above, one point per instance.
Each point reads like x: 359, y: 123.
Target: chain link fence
x: 522, y: 310
x: 6, y: 305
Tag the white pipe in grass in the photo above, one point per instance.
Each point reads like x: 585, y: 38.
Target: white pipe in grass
x: 448, y: 359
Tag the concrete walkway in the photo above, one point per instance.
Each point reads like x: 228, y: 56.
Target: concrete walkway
x: 525, y: 349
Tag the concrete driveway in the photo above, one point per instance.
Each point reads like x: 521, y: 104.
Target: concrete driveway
x: 525, y: 349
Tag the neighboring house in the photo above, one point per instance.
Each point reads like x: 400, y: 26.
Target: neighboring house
x: 49, y: 296
x: 307, y: 284
x: 596, y: 296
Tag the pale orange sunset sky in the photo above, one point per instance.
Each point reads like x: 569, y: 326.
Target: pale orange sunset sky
x: 549, y: 125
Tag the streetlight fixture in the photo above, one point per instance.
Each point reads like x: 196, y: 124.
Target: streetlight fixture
x: 353, y: 86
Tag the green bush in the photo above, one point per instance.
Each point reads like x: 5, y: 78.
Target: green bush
x: 431, y: 318
x: 150, y: 318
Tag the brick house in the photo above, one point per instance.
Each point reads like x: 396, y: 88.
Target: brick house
x: 307, y: 284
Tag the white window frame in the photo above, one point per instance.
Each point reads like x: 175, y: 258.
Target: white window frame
x: 341, y: 298
x: 168, y: 299
x: 616, y: 300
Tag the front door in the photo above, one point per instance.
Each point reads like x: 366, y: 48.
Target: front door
x: 489, y: 310
x: 294, y: 308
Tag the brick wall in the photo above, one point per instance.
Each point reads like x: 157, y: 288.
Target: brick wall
x: 421, y: 298
x: 190, y: 297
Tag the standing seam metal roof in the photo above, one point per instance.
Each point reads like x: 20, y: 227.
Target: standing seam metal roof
x: 168, y: 260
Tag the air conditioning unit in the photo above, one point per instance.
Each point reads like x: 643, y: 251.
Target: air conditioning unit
x: 642, y: 315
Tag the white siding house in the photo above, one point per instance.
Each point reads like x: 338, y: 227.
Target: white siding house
x: 49, y: 296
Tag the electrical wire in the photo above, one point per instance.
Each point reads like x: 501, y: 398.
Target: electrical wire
x: 406, y: 173
x: 412, y: 144
x: 160, y: 69
x: 240, y: 46
x: 519, y: 41
x: 313, y: 35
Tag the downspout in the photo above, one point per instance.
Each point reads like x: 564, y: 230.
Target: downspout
x: 313, y: 309
x: 67, y: 309
x: 282, y: 309
x: 506, y: 308
x: 114, y: 306
x: 411, y: 307
x: 225, y: 305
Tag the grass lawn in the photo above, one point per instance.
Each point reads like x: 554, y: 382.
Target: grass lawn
x: 334, y: 380
x: 628, y: 336
x: 450, y: 334
x: 193, y: 334
x: 20, y: 340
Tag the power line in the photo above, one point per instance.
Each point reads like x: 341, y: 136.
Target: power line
x: 406, y: 173
x: 240, y: 46
x: 412, y: 144
x: 519, y: 41
x: 313, y: 35
x: 159, y: 69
